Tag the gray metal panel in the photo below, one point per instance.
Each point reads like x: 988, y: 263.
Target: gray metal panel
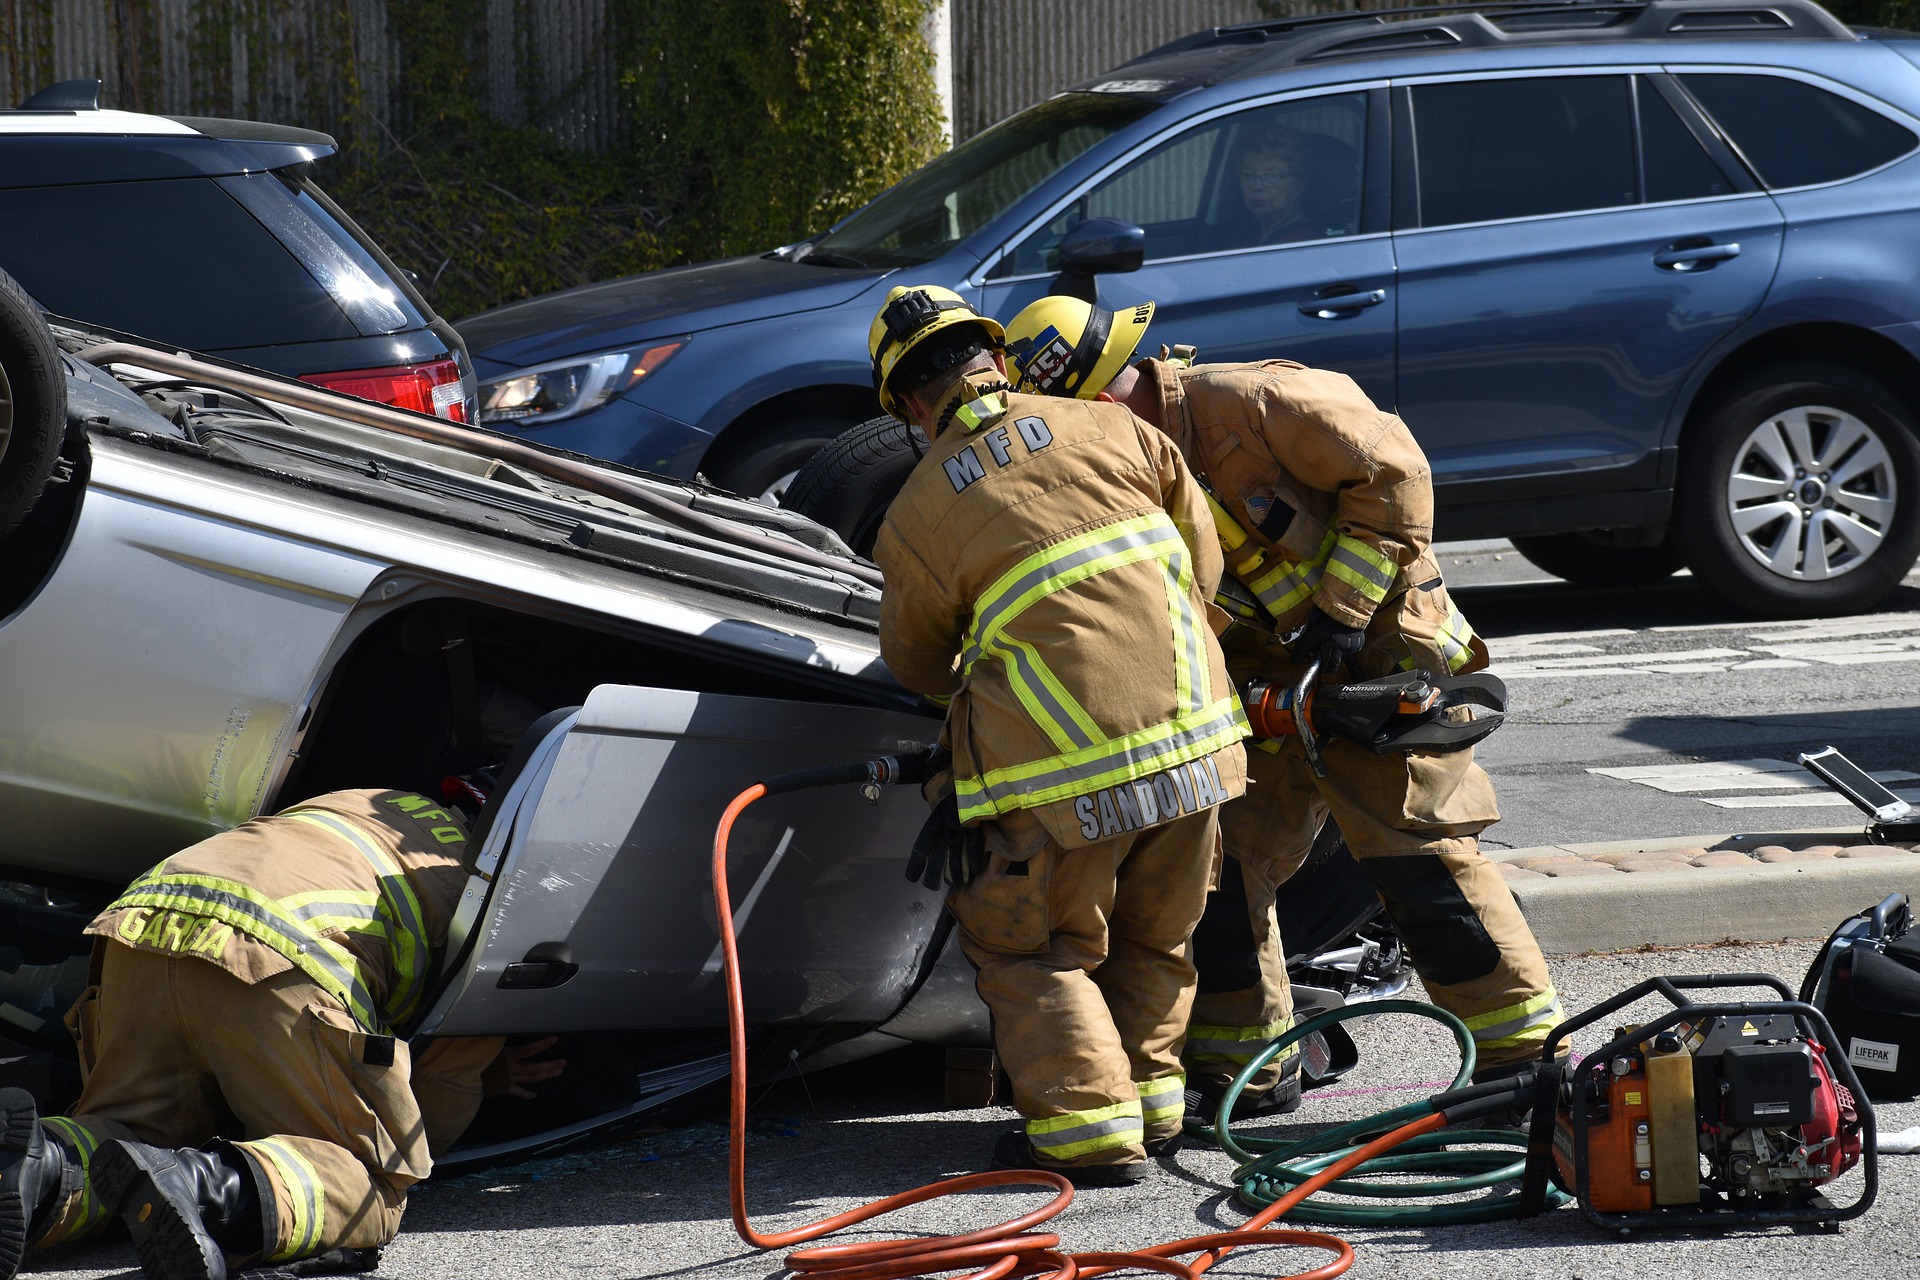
x: 152, y: 683
x: 614, y: 862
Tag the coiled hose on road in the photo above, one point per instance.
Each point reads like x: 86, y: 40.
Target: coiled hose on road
x: 1282, y: 1179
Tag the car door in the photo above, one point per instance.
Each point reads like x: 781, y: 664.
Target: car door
x: 592, y: 908
x: 1569, y: 247
x: 1265, y: 236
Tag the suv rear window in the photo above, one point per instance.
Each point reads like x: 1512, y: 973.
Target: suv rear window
x: 1794, y: 134
x: 123, y: 254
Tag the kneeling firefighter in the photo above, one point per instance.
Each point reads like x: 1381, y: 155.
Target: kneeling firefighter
x: 1326, y: 506
x: 1048, y: 571
x: 254, y: 984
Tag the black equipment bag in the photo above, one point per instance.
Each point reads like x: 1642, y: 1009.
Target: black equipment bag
x: 1866, y: 980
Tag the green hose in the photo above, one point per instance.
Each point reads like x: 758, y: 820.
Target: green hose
x: 1269, y: 1168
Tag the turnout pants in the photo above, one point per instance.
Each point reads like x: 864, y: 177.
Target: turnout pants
x: 1084, y: 962
x: 1412, y: 822
x: 176, y: 1051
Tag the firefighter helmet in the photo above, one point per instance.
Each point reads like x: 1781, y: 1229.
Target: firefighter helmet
x: 1069, y: 347
x: 911, y: 315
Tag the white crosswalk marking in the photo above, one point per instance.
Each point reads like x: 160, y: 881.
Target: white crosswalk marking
x: 1734, y: 775
x: 1801, y: 790
x: 1839, y: 642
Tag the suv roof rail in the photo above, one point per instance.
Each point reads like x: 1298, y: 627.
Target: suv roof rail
x: 1495, y: 22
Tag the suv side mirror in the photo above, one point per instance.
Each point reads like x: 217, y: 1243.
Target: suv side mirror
x: 1096, y: 247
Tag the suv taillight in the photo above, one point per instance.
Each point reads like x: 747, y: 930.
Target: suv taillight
x: 433, y: 388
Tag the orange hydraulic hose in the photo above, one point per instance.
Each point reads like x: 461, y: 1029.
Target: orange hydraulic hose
x: 1011, y: 1248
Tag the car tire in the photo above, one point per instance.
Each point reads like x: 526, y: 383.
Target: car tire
x: 849, y: 484
x: 33, y: 404
x: 764, y: 464
x: 1803, y: 438
x: 1592, y: 560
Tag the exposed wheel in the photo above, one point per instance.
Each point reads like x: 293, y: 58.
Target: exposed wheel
x: 33, y: 404
x: 764, y: 464
x: 848, y: 485
x: 1799, y: 493
x: 1593, y: 559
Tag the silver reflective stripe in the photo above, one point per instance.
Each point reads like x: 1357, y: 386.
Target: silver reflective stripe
x: 1030, y: 676
x: 1357, y: 564
x: 1163, y: 752
x: 335, y: 911
x: 1126, y: 1126
x: 1550, y: 1016
x: 1235, y: 1050
x: 1195, y: 662
x: 301, y: 947
x: 1003, y: 605
x: 410, y: 944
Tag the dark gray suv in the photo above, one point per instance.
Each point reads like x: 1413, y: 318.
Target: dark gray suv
x: 211, y: 235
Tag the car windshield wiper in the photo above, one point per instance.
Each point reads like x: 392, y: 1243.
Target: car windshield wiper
x: 829, y: 258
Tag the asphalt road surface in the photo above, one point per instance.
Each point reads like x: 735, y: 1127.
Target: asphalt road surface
x: 1695, y: 714
x: 653, y: 1201
x: 1695, y: 717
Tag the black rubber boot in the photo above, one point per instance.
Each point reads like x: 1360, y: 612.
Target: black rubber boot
x: 33, y: 1168
x: 188, y: 1211
x: 1205, y: 1092
x: 1013, y: 1151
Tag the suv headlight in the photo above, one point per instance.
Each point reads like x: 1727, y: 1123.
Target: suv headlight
x: 567, y: 388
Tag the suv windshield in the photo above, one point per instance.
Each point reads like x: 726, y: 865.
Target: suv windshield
x: 958, y: 193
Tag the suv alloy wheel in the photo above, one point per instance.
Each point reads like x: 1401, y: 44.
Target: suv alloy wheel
x: 1798, y: 491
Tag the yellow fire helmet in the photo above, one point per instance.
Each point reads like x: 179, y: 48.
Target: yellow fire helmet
x: 912, y: 314
x: 1069, y: 347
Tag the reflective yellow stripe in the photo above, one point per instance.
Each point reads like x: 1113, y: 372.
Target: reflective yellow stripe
x: 306, y: 1198
x: 1237, y: 1045
x: 407, y: 934
x: 1526, y: 1023
x: 1162, y: 1099
x: 1064, y: 564
x: 1076, y: 773
x: 1362, y: 568
x: 1049, y: 705
x: 88, y: 1214
x: 1085, y: 758
x: 331, y: 966
x: 1289, y: 582
x: 976, y: 414
x: 1455, y: 639
x: 1080, y: 1133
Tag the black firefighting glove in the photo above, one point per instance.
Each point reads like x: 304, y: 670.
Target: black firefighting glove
x: 1327, y: 638
x: 946, y: 849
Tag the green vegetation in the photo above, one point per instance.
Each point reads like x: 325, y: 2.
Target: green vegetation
x: 739, y: 125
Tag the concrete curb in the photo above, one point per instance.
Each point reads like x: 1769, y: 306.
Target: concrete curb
x: 1621, y: 894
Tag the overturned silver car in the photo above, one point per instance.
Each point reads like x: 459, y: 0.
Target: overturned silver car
x: 223, y: 592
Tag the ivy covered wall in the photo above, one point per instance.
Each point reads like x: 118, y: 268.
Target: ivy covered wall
x: 505, y: 148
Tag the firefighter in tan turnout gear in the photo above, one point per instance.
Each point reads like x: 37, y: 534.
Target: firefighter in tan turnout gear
x: 1330, y: 503
x: 253, y: 984
x: 1048, y: 568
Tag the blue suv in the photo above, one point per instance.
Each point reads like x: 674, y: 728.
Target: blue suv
x: 1643, y: 278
